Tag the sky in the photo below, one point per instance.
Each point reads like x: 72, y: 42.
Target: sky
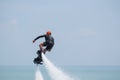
x: 86, y: 32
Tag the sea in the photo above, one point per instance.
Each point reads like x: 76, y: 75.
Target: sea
x: 76, y: 72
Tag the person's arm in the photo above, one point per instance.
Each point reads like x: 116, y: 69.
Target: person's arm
x: 38, y: 38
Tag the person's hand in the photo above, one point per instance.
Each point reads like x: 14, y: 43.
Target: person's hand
x: 33, y: 41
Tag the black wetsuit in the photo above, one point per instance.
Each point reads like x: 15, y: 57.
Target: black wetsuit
x: 49, y: 41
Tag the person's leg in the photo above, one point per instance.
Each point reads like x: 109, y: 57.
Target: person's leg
x: 41, y: 46
x: 49, y: 47
x: 39, y: 52
x: 45, y: 50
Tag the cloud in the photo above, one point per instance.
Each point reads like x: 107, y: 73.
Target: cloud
x: 8, y: 23
x: 12, y: 22
x: 82, y: 32
x: 86, y: 32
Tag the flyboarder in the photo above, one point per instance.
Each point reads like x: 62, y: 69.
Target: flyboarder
x: 48, y: 44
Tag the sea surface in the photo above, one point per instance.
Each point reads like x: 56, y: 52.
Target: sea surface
x: 76, y: 72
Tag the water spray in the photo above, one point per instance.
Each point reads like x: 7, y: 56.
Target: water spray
x: 38, y: 75
x: 54, y: 72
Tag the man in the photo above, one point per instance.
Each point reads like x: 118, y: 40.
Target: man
x: 49, y: 43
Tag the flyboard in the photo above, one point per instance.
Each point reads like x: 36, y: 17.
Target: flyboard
x: 38, y: 60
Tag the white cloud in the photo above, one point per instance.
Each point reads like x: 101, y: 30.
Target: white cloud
x: 8, y: 24
x: 86, y: 32
x: 12, y: 22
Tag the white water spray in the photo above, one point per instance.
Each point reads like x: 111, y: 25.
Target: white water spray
x: 55, y: 73
x: 38, y: 75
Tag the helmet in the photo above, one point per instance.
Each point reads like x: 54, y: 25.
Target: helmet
x: 48, y: 32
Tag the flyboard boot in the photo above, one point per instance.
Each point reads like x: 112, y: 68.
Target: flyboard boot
x: 38, y: 60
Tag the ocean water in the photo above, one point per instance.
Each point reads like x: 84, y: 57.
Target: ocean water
x: 76, y: 72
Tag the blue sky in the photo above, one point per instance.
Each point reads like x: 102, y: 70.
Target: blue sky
x: 86, y: 32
